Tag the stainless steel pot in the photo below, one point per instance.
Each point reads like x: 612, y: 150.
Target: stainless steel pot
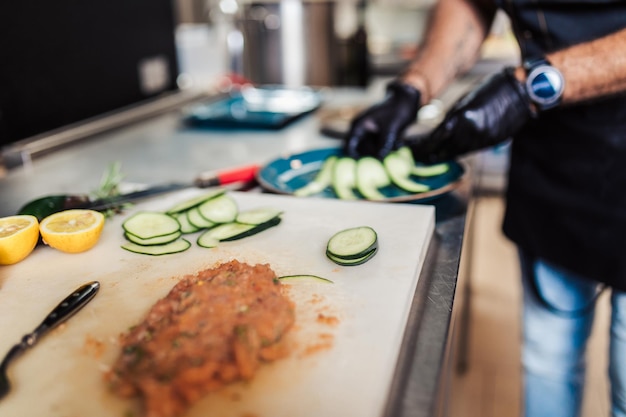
x: 289, y: 42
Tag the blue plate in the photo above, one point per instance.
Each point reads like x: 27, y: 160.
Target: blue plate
x: 285, y: 175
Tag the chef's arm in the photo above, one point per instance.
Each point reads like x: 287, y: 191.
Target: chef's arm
x: 591, y: 69
x: 451, y: 46
x: 498, y: 108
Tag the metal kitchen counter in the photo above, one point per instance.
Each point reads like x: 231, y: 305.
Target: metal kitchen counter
x: 160, y: 150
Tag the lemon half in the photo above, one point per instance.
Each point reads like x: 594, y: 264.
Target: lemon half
x: 18, y: 237
x: 72, y: 231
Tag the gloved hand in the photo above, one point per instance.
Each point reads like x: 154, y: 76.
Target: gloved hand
x: 486, y: 116
x: 378, y: 130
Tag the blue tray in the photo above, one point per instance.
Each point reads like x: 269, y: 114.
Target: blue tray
x: 254, y: 108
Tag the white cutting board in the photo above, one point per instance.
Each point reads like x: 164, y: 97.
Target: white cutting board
x: 344, y: 346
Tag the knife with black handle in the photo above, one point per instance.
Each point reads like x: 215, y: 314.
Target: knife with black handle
x: 63, y: 311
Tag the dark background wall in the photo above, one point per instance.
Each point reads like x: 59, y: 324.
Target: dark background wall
x: 64, y: 61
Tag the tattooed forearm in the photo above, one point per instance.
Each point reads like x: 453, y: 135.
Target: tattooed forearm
x: 447, y: 51
x: 467, y: 49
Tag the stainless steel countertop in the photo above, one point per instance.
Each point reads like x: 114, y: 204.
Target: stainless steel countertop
x: 160, y: 150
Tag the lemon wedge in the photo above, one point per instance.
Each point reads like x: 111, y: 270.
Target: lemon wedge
x: 18, y: 237
x: 72, y: 231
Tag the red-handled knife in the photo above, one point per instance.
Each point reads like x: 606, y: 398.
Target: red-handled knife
x: 45, y: 206
x: 209, y: 179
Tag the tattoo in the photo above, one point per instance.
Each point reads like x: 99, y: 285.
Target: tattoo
x: 452, y: 43
x: 464, y: 53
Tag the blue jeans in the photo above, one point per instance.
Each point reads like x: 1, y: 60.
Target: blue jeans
x: 557, y: 319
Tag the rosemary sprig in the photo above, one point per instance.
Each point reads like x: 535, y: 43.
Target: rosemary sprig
x: 109, y: 187
x: 110, y: 181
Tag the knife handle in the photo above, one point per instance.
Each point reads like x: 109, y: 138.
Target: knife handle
x: 240, y: 174
x: 64, y: 310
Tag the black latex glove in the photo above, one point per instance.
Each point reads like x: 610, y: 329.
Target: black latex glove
x: 488, y: 115
x: 378, y: 130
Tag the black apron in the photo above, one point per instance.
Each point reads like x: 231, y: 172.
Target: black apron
x: 566, y: 195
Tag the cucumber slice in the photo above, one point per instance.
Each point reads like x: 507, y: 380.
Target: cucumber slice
x: 258, y: 215
x: 159, y: 240
x: 353, y: 243
x: 233, y: 231
x: 308, y: 278
x: 196, y: 219
x: 370, y: 176
x: 185, y: 225
x: 222, y: 209
x: 176, y: 246
x: 399, y: 170
x: 352, y: 262
x: 322, y: 180
x: 206, y: 240
x: 223, y: 232
x: 195, y: 201
x: 430, y: 170
x: 344, y: 178
x: 149, y: 224
x: 422, y: 170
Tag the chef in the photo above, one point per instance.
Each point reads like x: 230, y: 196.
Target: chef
x: 565, y: 108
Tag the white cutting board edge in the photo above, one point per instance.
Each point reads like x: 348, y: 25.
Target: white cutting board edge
x: 352, y: 363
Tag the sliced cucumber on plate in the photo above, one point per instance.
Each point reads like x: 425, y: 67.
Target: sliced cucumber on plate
x: 370, y: 177
x: 399, y: 170
x: 322, y: 180
x: 421, y: 170
x: 344, y: 178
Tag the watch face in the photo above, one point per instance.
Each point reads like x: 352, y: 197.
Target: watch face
x: 545, y: 85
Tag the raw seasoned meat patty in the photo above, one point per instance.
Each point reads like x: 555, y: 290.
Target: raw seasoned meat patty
x: 212, y: 328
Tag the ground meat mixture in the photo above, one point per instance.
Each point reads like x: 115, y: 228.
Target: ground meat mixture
x: 213, y: 328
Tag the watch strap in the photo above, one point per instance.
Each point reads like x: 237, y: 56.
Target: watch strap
x: 531, y: 63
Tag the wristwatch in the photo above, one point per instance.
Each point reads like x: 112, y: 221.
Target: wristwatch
x: 544, y: 83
